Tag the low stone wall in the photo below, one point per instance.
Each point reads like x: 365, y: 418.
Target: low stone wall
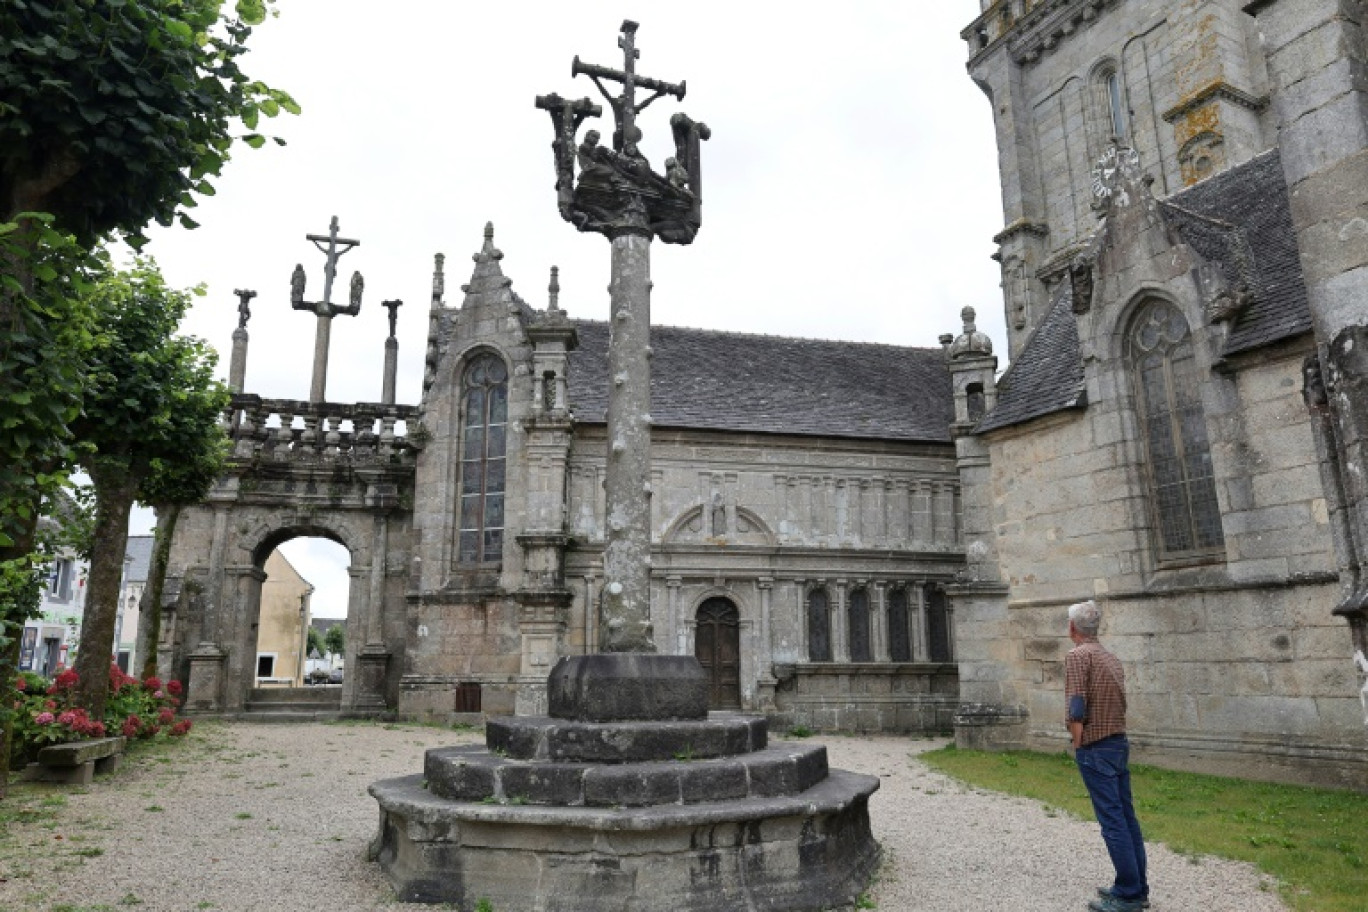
x: 897, y: 698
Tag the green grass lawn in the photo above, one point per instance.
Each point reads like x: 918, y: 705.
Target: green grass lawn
x: 1314, y: 841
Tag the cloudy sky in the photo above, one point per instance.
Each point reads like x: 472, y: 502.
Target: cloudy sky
x: 850, y: 185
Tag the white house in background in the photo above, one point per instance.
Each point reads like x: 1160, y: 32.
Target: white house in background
x: 137, y: 564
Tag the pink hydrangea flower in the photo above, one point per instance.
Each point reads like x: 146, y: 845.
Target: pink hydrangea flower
x: 44, y: 718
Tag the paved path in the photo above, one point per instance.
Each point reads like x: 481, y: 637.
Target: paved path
x: 275, y: 818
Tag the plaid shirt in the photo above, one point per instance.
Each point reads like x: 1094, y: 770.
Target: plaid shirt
x: 1095, y: 674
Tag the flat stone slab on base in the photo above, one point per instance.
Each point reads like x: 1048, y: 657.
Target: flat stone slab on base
x: 797, y: 853
x: 627, y: 687
x: 544, y: 738
x: 472, y: 773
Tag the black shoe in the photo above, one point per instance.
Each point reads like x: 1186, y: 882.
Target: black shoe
x: 1118, y: 904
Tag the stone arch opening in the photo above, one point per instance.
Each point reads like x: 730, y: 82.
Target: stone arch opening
x: 299, y: 573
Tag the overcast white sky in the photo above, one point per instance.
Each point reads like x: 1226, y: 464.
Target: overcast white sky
x: 850, y: 185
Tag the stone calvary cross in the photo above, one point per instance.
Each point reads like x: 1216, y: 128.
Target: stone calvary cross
x: 619, y: 195
x: 325, y: 309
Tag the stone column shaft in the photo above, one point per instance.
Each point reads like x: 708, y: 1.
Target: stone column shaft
x: 626, y: 610
x: 237, y: 366
x: 391, y: 369
x: 375, y: 608
x: 322, y: 339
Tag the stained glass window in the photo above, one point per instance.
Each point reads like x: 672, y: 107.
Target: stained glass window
x: 484, y: 391
x: 1187, y: 517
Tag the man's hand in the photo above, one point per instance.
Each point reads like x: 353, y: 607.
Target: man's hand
x: 1076, y: 734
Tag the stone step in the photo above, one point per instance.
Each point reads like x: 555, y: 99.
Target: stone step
x: 473, y: 774
x: 321, y: 694
x: 301, y: 707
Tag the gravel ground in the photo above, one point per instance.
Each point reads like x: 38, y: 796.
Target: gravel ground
x: 260, y: 818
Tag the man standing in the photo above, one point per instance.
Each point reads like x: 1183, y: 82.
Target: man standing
x: 1095, y: 690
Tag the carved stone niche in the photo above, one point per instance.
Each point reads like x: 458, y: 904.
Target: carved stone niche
x: 1201, y: 156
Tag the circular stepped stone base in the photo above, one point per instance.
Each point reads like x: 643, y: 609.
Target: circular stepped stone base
x: 628, y: 798
x: 472, y: 773
x: 797, y: 853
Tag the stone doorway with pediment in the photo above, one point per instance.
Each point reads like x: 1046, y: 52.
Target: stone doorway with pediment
x: 717, y: 646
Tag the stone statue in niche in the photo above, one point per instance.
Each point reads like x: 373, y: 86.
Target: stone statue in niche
x: 719, y: 516
x: 1017, y: 287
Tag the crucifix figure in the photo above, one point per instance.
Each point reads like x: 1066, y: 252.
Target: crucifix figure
x: 244, y: 306
x: 617, y: 189
x: 325, y: 309
x: 617, y: 194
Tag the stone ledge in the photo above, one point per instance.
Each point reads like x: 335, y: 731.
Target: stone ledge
x: 802, y: 853
x: 544, y: 738
x: 838, y: 791
x: 472, y: 774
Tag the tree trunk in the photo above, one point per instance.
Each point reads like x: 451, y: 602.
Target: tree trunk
x: 115, y: 488
x: 9, y: 667
x: 149, y: 608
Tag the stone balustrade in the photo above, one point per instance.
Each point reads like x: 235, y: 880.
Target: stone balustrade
x: 288, y: 430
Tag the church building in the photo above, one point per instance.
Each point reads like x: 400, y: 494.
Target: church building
x: 1181, y: 276
x: 864, y: 537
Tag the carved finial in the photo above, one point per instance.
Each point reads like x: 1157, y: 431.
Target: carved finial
x: 297, y: 280
x: 971, y: 341
x: 438, y: 278
x: 489, y: 251
x: 244, y: 310
x: 554, y: 290
x: 393, y: 308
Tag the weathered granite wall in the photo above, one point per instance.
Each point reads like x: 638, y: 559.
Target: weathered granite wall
x: 1192, y: 87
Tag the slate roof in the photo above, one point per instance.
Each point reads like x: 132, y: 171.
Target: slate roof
x: 1047, y: 376
x: 703, y: 379
x: 1253, y: 197
x: 1257, y: 242
x: 140, y: 549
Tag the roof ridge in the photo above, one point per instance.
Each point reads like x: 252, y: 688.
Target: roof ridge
x: 755, y: 335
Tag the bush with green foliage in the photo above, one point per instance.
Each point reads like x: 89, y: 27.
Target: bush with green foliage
x: 46, y: 711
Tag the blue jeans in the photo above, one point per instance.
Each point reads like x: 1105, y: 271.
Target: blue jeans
x: 1105, y: 767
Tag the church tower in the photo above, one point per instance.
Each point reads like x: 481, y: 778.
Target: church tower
x: 1183, y: 82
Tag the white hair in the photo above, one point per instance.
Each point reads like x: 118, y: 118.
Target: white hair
x: 1086, y: 617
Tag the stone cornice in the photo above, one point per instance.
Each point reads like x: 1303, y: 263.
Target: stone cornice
x: 1021, y: 226
x: 1219, y: 90
x: 1034, y: 33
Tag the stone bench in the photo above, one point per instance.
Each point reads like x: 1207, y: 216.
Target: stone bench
x: 76, y: 762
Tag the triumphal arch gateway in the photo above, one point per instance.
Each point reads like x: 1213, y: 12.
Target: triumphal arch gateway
x: 872, y: 537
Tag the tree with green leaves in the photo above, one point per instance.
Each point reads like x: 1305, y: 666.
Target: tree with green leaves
x: 151, y: 423
x: 112, y: 114
x: 315, y: 643
x: 117, y: 112
x: 335, y: 639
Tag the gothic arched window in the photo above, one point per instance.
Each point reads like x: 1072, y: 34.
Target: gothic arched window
x: 1182, y: 486
x: 857, y: 613
x: 484, y: 396
x: 819, y: 626
x: 1110, y: 92
x: 899, y: 643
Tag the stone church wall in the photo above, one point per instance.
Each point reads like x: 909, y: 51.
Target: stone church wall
x: 1233, y: 667
x: 760, y: 520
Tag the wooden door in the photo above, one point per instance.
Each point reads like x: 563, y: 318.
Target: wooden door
x: 717, y: 646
